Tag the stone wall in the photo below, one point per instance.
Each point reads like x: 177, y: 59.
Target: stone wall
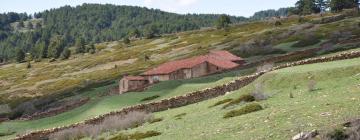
x: 190, y: 98
x: 56, y: 111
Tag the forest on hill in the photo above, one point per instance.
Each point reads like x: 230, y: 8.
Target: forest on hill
x: 91, y: 23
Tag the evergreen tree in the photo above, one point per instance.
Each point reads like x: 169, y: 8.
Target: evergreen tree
x: 151, y: 31
x: 20, y: 55
x: 339, y: 5
x: 56, y: 47
x: 126, y: 40
x: 305, y: 7
x: 90, y: 48
x: 223, y: 22
x: 135, y: 33
x: 80, y: 45
x: 66, y: 53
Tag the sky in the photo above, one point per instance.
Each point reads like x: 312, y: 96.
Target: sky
x: 231, y: 7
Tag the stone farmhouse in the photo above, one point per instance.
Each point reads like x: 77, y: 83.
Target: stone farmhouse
x: 214, y: 62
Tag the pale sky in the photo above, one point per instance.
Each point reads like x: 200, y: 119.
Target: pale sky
x: 231, y: 7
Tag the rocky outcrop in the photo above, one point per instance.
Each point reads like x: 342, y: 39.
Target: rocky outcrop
x: 187, y: 99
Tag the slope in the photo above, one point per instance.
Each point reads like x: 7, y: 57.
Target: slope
x: 335, y: 100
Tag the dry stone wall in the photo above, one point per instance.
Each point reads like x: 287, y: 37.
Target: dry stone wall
x: 56, y: 111
x: 187, y: 99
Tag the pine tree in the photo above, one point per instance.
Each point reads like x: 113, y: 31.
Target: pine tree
x: 339, y: 5
x: 20, y: 55
x: 80, y: 45
x: 56, y: 47
x: 66, y: 54
x: 126, y: 40
x: 223, y: 22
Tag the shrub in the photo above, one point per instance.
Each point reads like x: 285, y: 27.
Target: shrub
x: 265, y: 67
x: 278, y: 23
x: 140, y: 135
x: 113, y: 123
x: 179, y: 116
x: 258, y: 93
x: 156, y: 120
x: 312, y: 85
x: 306, y: 41
x: 221, y: 102
x: 9, y: 132
x: 242, y: 98
x: 150, y: 98
x: 252, y: 107
x: 337, y: 134
x: 136, y: 135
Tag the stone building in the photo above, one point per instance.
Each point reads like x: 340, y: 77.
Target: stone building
x: 132, y: 83
x: 214, y: 62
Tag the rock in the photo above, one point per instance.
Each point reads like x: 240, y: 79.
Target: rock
x: 305, y: 135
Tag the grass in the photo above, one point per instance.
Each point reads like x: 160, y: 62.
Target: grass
x: 282, y: 116
x: 101, y: 105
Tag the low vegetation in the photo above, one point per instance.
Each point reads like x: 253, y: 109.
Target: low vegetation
x: 114, y: 123
x: 248, y: 108
x: 150, y: 98
x: 155, y: 120
x: 179, y: 116
x: 136, y: 135
x: 242, y: 99
x: 221, y: 102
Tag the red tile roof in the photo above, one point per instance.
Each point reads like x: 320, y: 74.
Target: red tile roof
x: 221, y: 59
x: 134, y: 78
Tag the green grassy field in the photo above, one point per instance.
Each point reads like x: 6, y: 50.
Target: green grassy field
x: 335, y: 99
x: 102, y: 105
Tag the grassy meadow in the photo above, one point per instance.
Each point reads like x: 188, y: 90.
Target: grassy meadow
x: 334, y: 100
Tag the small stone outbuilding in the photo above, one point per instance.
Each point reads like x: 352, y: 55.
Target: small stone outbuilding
x: 132, y: 83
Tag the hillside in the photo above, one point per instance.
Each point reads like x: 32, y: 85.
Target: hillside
x: 45, y: 83
x: 334, y: 101
x: 253, y: 41
x: 92, y: 23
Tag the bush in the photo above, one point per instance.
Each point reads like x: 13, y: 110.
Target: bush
x: 306, y: 41
x: 156, y: 120
x: 258, y: 93
x: 140, y: 135
x: 179, y: 116
x: 221, y: 102
x: 242, y: 98
x: 312, y: 85
x: 337, y: 134
x: 113, y: 123
x: 252, y: 107
x: 136, y: 135
x: 150, y: 98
